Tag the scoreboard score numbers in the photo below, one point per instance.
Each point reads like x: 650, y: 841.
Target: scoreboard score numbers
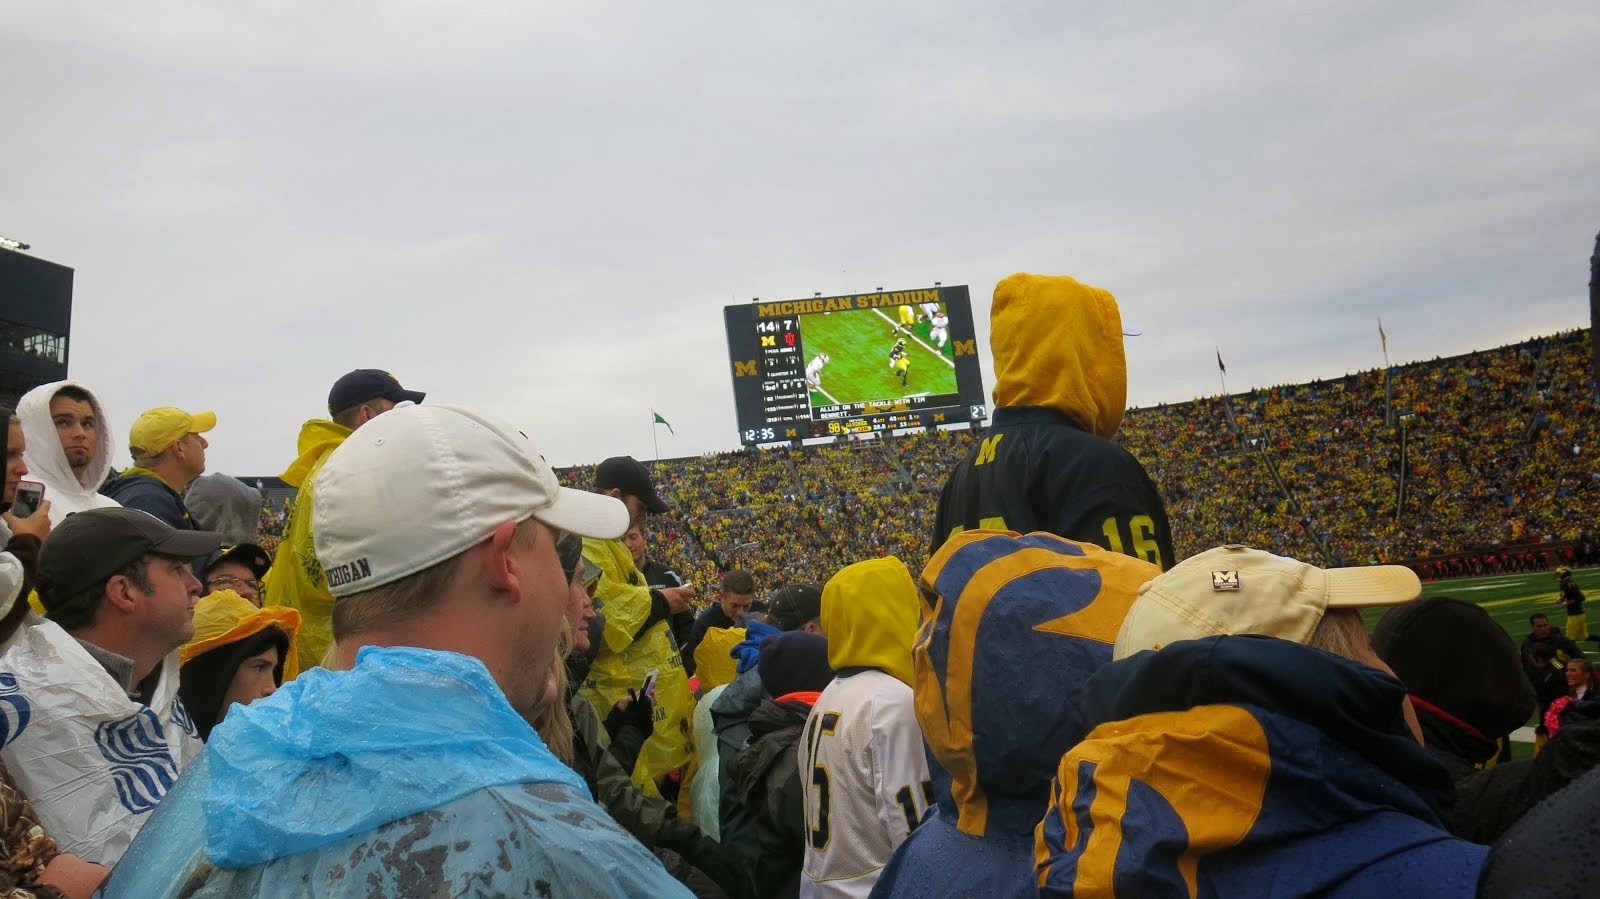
x: 832, y: 366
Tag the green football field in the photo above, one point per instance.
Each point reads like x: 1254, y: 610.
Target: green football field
x: 1510, y: 599
x: 858, y: 344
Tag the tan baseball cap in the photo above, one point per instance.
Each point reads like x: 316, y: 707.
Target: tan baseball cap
x: 1238, y: 590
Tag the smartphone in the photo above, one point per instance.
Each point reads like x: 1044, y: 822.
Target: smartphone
x: 29, y: 495
x: 649, y: 688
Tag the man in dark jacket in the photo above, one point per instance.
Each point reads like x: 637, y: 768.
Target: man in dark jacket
x: 737, y: 597
x: 763, y: 812
x: 1048, y: 462
x: 1542, y: 632
x: 169, y: 452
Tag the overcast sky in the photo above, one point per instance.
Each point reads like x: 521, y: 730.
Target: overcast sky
x: 540, y: 209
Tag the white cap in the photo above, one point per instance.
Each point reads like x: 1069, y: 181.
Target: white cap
x: 1237, y: 590
x: 420, y: 484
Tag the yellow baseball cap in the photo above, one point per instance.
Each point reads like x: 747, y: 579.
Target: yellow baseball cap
x: 160, y: 428
x: 1237, y: 590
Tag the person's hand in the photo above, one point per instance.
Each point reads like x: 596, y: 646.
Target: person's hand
x: 37, y: 524
x: 634, y: 710
x: 678, y: 598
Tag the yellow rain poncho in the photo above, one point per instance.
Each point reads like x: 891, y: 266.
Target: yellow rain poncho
x: 628, y: 655
x: 713, y: 663
x: 226, y: 617
x: 296, y: 580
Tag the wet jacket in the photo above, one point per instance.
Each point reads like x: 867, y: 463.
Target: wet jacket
x: 296, y: 579
x: 142, y: 489
x: 1489, y: 802
x: 1249, y: 766
x: 1550, y: 852
x: 765, y: 814
x: 1047, y: 462
x: 409, y: 775
x: 638, y: 640
x: 1017, y: 627
x: 47, y: 462
x: 94, y: 761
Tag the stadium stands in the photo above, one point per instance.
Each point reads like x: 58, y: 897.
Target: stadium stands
x: 1468, y: 454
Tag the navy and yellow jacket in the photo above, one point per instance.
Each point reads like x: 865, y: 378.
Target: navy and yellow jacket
x: 1012, y: 627
x: 1249, y: 766
x: 1047, y: 462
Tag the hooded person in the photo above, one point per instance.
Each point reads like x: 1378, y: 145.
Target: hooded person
x: 864, y: 757
x: 1047, y: 462
x: 1246, y: 739
x: 297, y: 579
x: 240, y: 653
x: 1013, y: 628
x: 226, y: 505
x: 1464, y: 710
x: 68, y: 446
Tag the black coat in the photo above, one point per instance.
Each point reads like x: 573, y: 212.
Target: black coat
x: 763, y: 816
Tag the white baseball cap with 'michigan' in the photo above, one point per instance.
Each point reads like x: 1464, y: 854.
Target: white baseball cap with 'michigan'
x: 420, y: 484
x: 1237, y: 590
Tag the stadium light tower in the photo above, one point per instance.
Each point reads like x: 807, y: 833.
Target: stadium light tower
x: 13, y: 244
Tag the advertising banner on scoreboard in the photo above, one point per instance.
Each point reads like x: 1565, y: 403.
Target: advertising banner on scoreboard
x: 828, y: 366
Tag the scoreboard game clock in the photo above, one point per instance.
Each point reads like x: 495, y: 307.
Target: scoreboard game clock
x: 830, y: 366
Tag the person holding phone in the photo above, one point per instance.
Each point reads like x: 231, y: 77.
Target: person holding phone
x: 34, y: 516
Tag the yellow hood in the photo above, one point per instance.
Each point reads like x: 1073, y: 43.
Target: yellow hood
x: 226, y: 617
x: 869, y: 615
x: 1058, y: 343
x: 318, y: 437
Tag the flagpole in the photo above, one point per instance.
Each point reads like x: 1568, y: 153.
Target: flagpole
x: 655, y: 442
x: 1384, y: 340
x: 1222, y: 372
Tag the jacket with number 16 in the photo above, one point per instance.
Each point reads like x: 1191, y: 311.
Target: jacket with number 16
x: 1047, y: 462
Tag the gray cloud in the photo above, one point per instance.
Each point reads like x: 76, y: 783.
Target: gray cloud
x: 541, y: 210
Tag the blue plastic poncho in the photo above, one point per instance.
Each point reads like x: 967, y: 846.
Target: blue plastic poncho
x: 408, y: 775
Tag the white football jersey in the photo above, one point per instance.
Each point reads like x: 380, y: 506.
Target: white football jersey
x: 814, y: 370
x: 929, y: 310
x: 941, y: 321
x: 866, y: 778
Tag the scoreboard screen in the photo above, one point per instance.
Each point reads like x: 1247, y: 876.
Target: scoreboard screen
x: 829, y: 366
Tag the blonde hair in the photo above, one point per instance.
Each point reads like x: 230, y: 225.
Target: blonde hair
x: 1335, y: 633
x: 553, y: 722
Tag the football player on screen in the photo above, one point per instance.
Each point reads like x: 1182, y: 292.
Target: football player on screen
x: 939, y: 328
x: 898, y: 351
x: 814, y: 371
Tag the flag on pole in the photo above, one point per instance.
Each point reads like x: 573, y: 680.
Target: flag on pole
x: 1220, y: 367
x: 662, y: 421
x: 1382, y: 337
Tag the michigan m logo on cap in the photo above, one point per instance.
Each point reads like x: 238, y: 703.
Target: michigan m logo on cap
x: 1224, y: 580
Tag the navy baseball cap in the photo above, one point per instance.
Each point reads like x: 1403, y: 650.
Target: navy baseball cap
x: 366, y: 384
x: 629, y: 475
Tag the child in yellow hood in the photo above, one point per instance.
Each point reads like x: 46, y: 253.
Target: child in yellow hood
x: 1048, y: 462
x: 239, y: 653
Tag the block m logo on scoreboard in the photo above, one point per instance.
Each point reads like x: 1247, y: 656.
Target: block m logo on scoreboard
x: 744, y: 368
x: 965, y: 348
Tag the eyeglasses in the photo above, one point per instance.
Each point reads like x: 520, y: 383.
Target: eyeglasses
x: 229, y: 582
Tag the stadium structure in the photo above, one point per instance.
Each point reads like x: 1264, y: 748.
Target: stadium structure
x: 35, y: 323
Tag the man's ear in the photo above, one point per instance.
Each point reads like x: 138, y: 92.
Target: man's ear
x: 500, y: 565
x: 119, y: 594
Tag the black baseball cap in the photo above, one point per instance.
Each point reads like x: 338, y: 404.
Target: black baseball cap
x: 254, y: 557
x: 629, y: 475
x: 794, y: 605
x: 365, y: 384
x: 88, y: 547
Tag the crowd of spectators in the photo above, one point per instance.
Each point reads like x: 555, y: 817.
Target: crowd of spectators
x: 1467, y: 455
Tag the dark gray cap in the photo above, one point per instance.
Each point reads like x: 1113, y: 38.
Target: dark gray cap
x: 88, y: 547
